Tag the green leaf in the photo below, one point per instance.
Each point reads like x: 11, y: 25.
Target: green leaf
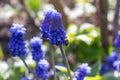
x: 1, y: 53
x: 83, y: 51
x: 86, y: 44
x: 109, y: 76
x: 34, y: 5
x: 1, y: 78
x: 17, y: 74
x: 95, y: 68
x: 84, y: 38
x: 62, y: 69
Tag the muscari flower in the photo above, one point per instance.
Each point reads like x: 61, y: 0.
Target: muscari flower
x: 17, y: 45
x: 117, y: 40
x: 42, y: 69
x: 83, y: 70
x: 46, y: 23
x: 111, y: 59
x: 57, y: 32
x: 36, y: 50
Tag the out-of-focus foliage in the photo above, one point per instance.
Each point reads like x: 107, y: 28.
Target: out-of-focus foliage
x: 4, y: 70
x: 34, y: 5
x: 14, y: 70
x: 97, y: 77
x: 110, y: 76
x: 1, y: 53
x: 95, y: 68
x: 86, y: 43
x: 62, y: 69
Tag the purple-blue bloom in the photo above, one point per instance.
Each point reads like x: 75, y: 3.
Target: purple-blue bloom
x: 57, y: 32
x: 54, y: 28
x: 111, y: 59
x: 46, y: 23
x: 117, y: 65
x: 37, y: 52
x: 104, y: 69
x: 83, y: 70
x: 26, y: 78
x: 41, y: 69
x: 17, y: 45
x: 117, y: 40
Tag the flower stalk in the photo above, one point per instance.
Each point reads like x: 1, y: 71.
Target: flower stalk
x: 66, y: 61
x: 26, y: 65
x: 53, y: 62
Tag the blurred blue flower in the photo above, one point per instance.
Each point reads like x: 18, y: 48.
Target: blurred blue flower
x: 111, y: 59
x: 57, y: 33
x: 117, y: 65
x: 17, y: 45
x: 46, y: 23
x: 26, y: 78
x: 42, y: 69
x: 83, y: 70
x: 37, y: 53
x: 104, y: 69
x: 117, y: 40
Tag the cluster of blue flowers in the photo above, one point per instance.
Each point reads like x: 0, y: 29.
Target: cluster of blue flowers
x: 52, y: 28
x: 116, y: 55
x: 83, y: 70
x: 38, y: 55
x: 36, y: 50
x: 111, y: 59
x: 114, y: 58
x: 17, y: 45
x: 42, y: 69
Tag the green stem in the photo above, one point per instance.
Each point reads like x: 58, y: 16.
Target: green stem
x: 26, y: 65
x: 66, y: 61
x: 53, y: 62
